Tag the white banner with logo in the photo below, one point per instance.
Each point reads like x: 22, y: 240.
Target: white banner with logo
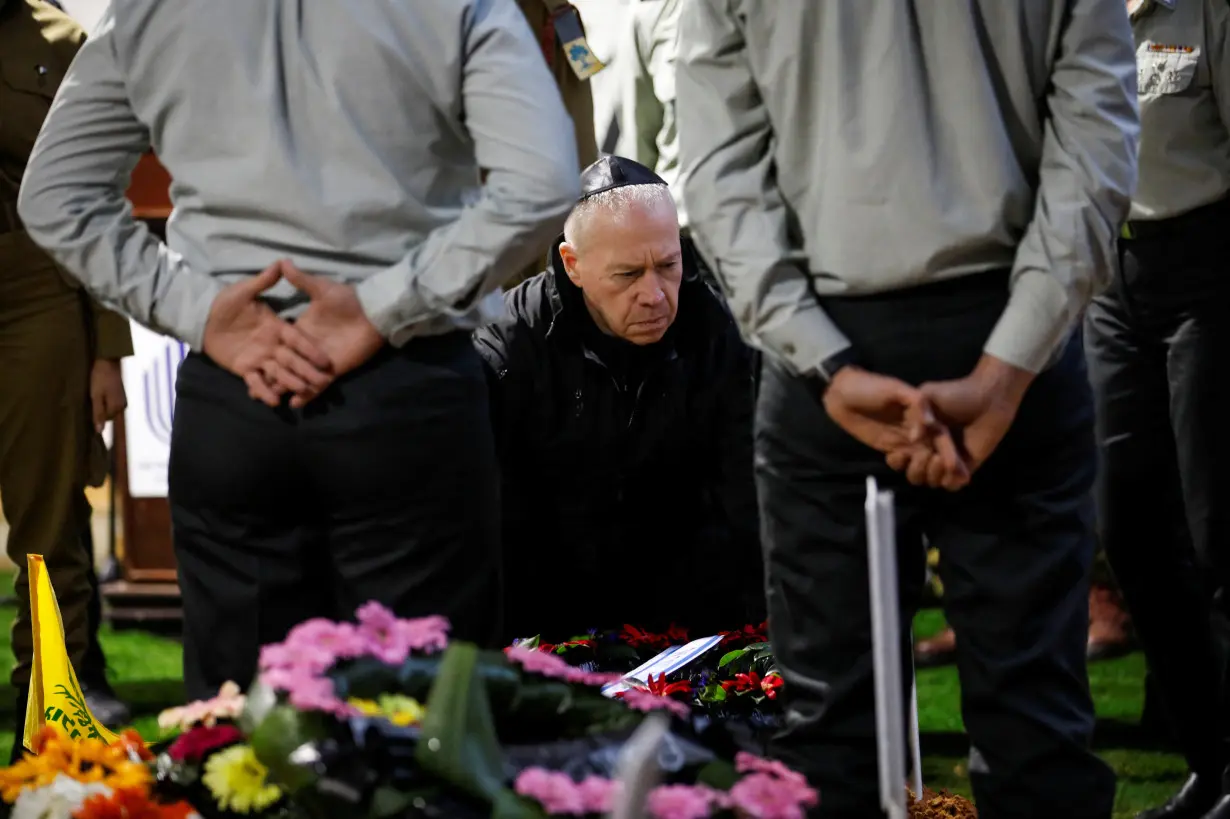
x: 149, y: 381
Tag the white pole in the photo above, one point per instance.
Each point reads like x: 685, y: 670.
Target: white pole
x: 886, y: 648
x: 637, y: 768
x: 915, y: 743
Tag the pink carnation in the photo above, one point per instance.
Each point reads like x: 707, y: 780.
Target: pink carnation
x: 765, y: 796
x: 750, y: 763
x: 550, y: 665
x: 641, y: 700
x: 679, y: 802
x: 598, y: 794
x: 556, y: 792
x: 391, y: 640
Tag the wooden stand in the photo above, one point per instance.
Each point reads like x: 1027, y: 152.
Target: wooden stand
x: 147, y: 590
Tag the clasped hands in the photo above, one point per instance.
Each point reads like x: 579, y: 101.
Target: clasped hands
x: 275, y: 357
x: 938, y: 433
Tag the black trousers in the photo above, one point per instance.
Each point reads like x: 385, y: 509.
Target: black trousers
x: 385, y: 488
x: 1158, y: 344
x: 1016, y: 549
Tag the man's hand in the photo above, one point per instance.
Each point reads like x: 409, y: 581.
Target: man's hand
x: 245, y: 337
x: 979, y: 409
x: 335, y: 321
x: 107, y: 399
x: 887, y: 414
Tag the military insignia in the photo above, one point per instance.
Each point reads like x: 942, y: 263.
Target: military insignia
x: 572, y: 37
x: 1162, y: 48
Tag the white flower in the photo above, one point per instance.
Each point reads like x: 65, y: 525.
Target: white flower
x: 59, y: 800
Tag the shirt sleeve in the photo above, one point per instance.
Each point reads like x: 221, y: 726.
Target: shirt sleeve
x: 1086, y: 180
x: 525, y: 143
x: 737, y: 215
x: 1217, y: 47
x: 73, y: 201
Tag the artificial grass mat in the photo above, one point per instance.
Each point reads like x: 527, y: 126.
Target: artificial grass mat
x: 146, y: 671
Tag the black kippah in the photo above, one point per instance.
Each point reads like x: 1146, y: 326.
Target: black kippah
x: 615, y: 172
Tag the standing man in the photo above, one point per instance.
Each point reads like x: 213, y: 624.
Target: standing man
x: 59, y: 372
x: 572, y: 71
x: 647, y: 122
x: 1158, y: 345
x: 346, y: 139
x: 909, y: 205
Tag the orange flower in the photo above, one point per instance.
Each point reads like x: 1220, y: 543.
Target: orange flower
x: 87, y: 760
x: 131, y: 804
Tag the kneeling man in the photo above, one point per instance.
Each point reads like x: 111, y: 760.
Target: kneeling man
x: 622, y: 398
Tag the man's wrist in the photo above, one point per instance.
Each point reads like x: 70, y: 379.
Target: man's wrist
x: 1002, y: 379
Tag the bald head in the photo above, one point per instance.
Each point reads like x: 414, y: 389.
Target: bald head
x: 617, y: 205
x: 621, y: 248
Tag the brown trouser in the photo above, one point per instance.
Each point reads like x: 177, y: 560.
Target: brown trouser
x: 45, y: 433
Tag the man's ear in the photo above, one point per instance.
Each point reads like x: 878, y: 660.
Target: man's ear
x: 568, y: 255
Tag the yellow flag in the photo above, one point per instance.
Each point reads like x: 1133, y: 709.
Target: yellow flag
x: 55, y: 694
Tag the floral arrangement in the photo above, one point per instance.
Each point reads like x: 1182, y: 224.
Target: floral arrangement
x: 736, y: 679
x: 386, y: 717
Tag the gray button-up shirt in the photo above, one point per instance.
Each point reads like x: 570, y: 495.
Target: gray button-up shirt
x: 346, y: 135
x: 857, y: 147
x: 1183, y: 69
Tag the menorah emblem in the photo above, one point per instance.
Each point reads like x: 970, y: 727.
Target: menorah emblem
x: 159, y: 383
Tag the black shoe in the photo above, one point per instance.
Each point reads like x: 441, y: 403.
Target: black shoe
x: 1195, y: 799
x: 106, y: 707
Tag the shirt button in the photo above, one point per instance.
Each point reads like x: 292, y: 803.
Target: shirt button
x: 788, y: 348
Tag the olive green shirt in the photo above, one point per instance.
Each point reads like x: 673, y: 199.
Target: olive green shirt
x: 37, y: 45
x: 1183, y: 71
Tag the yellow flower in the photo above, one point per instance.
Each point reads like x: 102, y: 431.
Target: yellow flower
x: 397, y: 709
x: 236, y: 778
x: 87, y: 761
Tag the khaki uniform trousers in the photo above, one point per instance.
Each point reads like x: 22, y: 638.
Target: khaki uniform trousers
x: 45, y: 438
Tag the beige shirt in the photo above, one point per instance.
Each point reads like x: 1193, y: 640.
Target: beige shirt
x: 647, y: 122
x: 1183, y: 70
x: 345, y: 135
x: 863, y: 146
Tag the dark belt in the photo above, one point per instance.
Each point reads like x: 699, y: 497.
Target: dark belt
x: 9, y: 220
x: 1195, y: 222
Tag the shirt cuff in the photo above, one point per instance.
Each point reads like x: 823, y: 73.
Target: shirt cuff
x: 188, y: 322
x: 804, y: 341
x: 385, y: 299
x: 112, y: 334
x: 1034, y: 324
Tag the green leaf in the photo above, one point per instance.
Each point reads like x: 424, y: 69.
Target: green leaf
x: 758, y: 646
x: 281, y: 732
x: 718, y: 774
x: 458, y: 742
x: 533, y: 642
x: 731, y: 656
x: 713, y: 692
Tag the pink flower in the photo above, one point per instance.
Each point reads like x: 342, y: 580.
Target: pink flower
x: 228, y: 705
x: 550, y: 665
x: 598, y: 794
x: 641, y: 700
x: 391, y: 640
x: 313, y: 658
x: 556, y: 792
x: 750, y: 763
x: 679, y: 802
x: 338, y: 640
x: 764, y: 796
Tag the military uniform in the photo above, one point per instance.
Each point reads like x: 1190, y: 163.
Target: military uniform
x: 50, y: 334
x: 578, y: 98
x: 1158, y: 342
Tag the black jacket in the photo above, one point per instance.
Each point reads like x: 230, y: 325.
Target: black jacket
x: 628, y: 491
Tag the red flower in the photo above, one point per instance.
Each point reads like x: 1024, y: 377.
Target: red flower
x: 661, y: 688
x: 770, y: 684
x: 677, y: 634
x: 748, y: 634
x: 196, y: 743
x: 130, y: 804
x: 637, y: 638
x: 744, y: 683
